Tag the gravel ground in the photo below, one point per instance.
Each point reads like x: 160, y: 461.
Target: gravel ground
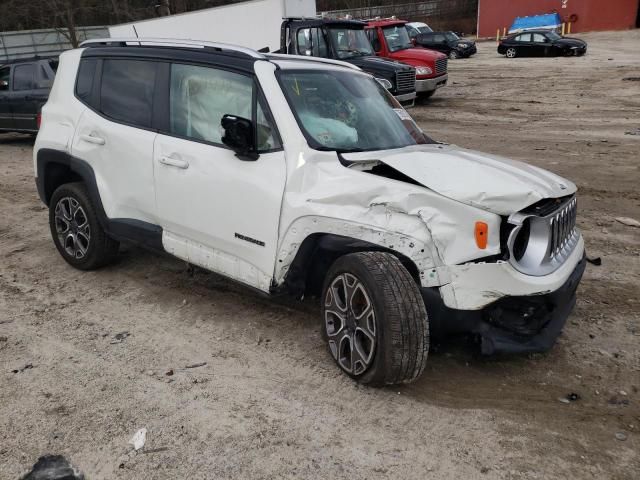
x: 92, y: 352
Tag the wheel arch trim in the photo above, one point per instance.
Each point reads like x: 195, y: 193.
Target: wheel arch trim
x: 130, y: 229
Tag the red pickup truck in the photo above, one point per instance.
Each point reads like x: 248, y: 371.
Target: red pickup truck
x: 390, y: 39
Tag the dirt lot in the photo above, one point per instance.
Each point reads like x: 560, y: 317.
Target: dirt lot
x: 269, y: 403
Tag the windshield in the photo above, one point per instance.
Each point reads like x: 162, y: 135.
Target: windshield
x: 553, y: 35
x: 348, y: 112
x: 349, y: 42
x: 397, y: 38
x: 451, y: 36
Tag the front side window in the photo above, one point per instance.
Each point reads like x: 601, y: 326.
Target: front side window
x: 201, y: 96
x: 539, y: 38
x: 350, y: 42
x: 311, y: 42
x: 5, y: 82
x: 348, y: 112
x: 452, y: 37
x: 126, y: 94
x: 372, y: 35
x: 23, y: 77
x: 397, y: 38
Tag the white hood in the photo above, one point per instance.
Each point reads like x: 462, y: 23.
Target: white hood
x: 496, y: 184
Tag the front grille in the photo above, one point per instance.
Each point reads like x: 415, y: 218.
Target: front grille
x: 441, y: 65
x: 406, y: 81
x: 542, y: 238
x: 562, y: 226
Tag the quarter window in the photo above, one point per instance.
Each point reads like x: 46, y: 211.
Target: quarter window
x: 23, y: 77
x: 84, y: 84
x: 126, y: 93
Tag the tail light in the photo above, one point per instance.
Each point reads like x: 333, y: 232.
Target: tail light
x: 39, y: 120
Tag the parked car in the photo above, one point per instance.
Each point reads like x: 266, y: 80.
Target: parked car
x: 416, y: 28
x: 305, y: 176
x: 389, y: 39
x: 540, y: 43
x: 24, y: 89
x: 448, y: 43
x: 345, y: 40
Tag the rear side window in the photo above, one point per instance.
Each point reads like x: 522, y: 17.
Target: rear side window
x: 84, y: 83
x: 126, y: 92
x: 525, y: 37
x: 23, y: 77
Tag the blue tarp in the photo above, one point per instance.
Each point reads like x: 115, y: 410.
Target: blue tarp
x: 549, y: 20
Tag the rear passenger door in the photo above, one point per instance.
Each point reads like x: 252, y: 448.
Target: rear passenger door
x: 6, y: 119
x: 115, y: 134
x: 524, y: 45
x: 216, y: 210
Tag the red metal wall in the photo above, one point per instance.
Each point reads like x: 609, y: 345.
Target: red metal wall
x: 592, y: 14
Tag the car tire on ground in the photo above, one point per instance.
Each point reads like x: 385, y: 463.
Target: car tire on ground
x: 511, y: 52
x: 76, y: 231
x: 374, y: 319
x: 453, y: 54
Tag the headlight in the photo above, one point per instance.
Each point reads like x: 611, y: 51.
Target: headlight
x: 385, y: 83
x: 423, y: 71
x: 462, y: 45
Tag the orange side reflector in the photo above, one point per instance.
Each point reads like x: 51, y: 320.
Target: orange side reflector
x: 482, y: 235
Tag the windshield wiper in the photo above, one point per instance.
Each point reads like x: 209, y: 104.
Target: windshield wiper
x: 340, y: 150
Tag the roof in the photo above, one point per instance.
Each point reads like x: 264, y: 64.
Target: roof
x: 201, y: 51
x: 328, y: 22
x: 385, y: 22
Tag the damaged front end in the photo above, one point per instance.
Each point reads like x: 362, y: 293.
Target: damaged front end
x: 512, y: 324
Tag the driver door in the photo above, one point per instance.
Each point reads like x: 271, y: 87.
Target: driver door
x: 216, y: 210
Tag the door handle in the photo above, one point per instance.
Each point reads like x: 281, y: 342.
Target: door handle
x: 174, y: 162
x: 92, y: 139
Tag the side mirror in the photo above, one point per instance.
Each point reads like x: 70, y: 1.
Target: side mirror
x: 238, y: 135
x: 4, y: 85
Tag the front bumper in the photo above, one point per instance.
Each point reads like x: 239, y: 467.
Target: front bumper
x: 406, y: 97
x: 431, y: 84
x: 513, y: 324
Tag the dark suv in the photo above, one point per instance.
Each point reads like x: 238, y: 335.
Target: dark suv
x: 24, y: 89
x: 448, y: 43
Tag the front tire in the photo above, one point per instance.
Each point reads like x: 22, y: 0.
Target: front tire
x: 374, y: 319
x: 511, y: 52
x: 76, y: 231
x: 453, y: 55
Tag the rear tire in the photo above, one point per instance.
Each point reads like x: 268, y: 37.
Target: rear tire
x: 76, y: 231
x: 374, y: 319
x: 511, y: 52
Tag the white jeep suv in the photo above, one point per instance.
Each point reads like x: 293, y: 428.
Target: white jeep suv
x: 303, y: 175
